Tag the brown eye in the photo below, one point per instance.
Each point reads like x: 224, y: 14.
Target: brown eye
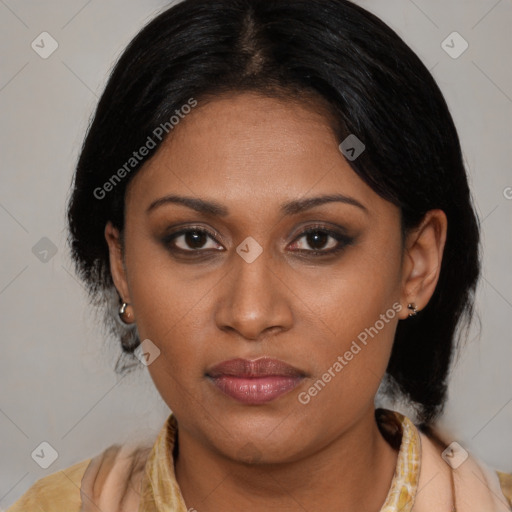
x: 190, y: 240
x: 321, y: 241
x: 318, y: 240
x: 194, y: 239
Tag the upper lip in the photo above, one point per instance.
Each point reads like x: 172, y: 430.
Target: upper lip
x: 262, y: 367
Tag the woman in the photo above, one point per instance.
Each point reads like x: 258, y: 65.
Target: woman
x: 272, y: 197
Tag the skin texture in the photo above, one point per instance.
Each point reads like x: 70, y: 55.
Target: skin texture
x: 251, y: 154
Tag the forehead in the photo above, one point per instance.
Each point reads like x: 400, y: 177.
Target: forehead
x: 247, y: 149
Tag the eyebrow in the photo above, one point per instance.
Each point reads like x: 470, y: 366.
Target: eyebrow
x: 290, y: 208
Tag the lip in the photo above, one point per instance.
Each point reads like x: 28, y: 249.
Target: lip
x: 255, y: 381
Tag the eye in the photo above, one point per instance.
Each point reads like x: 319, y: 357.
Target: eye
x: 322, y: 241
x: 191, y: 240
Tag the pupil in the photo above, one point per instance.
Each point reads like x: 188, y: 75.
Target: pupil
x: 317, y: 239
x: 195, y: 239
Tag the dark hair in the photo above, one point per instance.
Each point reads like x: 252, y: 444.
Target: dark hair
x: 376, y: 88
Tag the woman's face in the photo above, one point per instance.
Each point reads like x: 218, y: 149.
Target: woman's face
x: 247, y: 283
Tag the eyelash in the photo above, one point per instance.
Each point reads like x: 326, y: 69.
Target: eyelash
x: 342, y: 239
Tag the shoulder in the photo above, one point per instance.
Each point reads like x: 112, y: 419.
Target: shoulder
x: 114, y: 475
x: 506, y: 485
x: 478, y: 486
x: 58, y: 492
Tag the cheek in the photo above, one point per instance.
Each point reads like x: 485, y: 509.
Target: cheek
x: 364, y: 286
x: 165, y: 295
x: 357, y: 310
x: 171, y: 310
x: 178, y: 370
x: 172, y: 316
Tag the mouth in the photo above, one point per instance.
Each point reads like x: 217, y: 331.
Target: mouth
x: 255, y: 382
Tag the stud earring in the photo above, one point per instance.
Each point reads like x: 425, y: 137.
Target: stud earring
x: 124, y: 314
x: 412, y: 307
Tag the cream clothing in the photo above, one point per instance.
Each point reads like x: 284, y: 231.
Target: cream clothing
x: 142, y: 479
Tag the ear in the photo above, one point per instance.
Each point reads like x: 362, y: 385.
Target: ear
x: 423, y: 255
x: 117, y: 268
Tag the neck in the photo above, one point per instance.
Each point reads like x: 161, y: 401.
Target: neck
x: 352, y: 473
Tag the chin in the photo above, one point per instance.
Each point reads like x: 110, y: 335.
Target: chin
x: 262, y: 443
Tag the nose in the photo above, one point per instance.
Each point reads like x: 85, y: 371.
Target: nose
x: 254, y: 299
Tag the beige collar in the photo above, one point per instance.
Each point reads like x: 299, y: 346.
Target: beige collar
x: 477, y: 487
x: 142, y: 479
x: 160, y: 491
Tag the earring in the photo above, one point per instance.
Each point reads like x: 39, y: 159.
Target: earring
x: 125, y: 315
x: 413, y: 308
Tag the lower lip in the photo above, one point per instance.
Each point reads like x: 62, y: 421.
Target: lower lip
x: 256, y: 390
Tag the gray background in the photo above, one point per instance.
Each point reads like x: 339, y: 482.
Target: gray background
x: 56, y: 372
